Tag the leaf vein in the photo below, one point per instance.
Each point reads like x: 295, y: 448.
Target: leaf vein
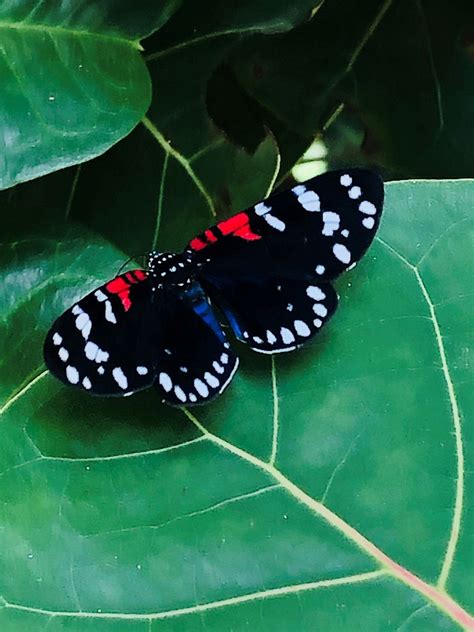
x: 456, y: 416
x: 434, y: 594
x: 184, y: 162
x: 231, y: 601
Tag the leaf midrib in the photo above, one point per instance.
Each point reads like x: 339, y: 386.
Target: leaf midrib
x: 62, y: 31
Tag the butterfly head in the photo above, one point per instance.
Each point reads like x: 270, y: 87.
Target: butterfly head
x: 169, y: 269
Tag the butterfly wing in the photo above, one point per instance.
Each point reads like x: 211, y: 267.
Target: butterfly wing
x: 106, y: 343
x: 272, y: 315
x: 196, y: 362
x: 317, y: 229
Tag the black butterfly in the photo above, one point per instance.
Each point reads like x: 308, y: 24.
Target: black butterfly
x: 269, y: 270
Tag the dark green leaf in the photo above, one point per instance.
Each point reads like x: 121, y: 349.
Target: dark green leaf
x: 403, y: 72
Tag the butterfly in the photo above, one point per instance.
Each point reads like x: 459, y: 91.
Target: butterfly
x: 268, y: 270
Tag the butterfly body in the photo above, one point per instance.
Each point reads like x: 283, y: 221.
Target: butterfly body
x: 268, y: 269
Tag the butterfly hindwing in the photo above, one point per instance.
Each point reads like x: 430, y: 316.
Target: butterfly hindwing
x: 196, y: 362
x: 106, y: 342
x: 316, y: 229
x: 271, y: 315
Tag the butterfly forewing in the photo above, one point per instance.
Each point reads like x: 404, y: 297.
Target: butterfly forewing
x: 106, y: 343
x: 316, y: 229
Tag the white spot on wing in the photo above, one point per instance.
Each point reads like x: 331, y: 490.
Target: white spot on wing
x: 274, y: 222
x: 100, y: 296
x: 320, y: 309
x: 341, y: 253
x: 180, y: 394
x: 367, y: 207
x: 258, y: 340
x: 86, y: 383
x: 102, y: 356
x: 320, y: 269
x: 120, y: 377
x: 346, y: 180
x: 271, y: 338
x: 354, y: 192
x: 299, y: 189
x: 82, y: 320
x: 368, y: 222
x: 109, y: 314
x: 302, y: 328
x: 201, y: 388
x: 309, y: 200
x: 57, y: 339
x: 165, y: 381
x: 261, y: 209
x: 72, y: 374
x: 331, y: 223
x: 317, y: 322
x: 211, y: 380
x: 345, y: 232
x: 76, y: 310
x: 314, y: 292
x: 286, y: 336
x: 192, y: 397
x: 91, y: 350
x: 63, y: 354
x: 218, y: 368
x: 142, y: 370
x: 101, y: 370
x: 87, y: 330
x: 224, y: 358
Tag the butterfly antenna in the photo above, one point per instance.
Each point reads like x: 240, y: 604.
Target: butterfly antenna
x: 125, y: 264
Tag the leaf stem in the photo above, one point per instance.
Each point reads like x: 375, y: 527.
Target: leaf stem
x: 158, y: 136
x: 160, y: 200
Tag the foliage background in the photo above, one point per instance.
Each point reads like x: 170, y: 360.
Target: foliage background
x: 328, y: 489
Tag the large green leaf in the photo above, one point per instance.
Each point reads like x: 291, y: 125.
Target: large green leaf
x: 328, y: 489
x: 72, y: 80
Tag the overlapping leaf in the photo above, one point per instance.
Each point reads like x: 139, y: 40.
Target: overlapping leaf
x: 401, y: 73
x: 72, y: 80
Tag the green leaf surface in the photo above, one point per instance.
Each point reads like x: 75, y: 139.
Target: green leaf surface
x: 330, y: 488
x: 72, y: 80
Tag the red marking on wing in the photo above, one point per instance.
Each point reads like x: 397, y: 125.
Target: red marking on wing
x: 233, y: 224
x: 121, y: 286
x: 246, y: 233
x: 197, y: 244
x: 210, y: 236
x: 239, y: 226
